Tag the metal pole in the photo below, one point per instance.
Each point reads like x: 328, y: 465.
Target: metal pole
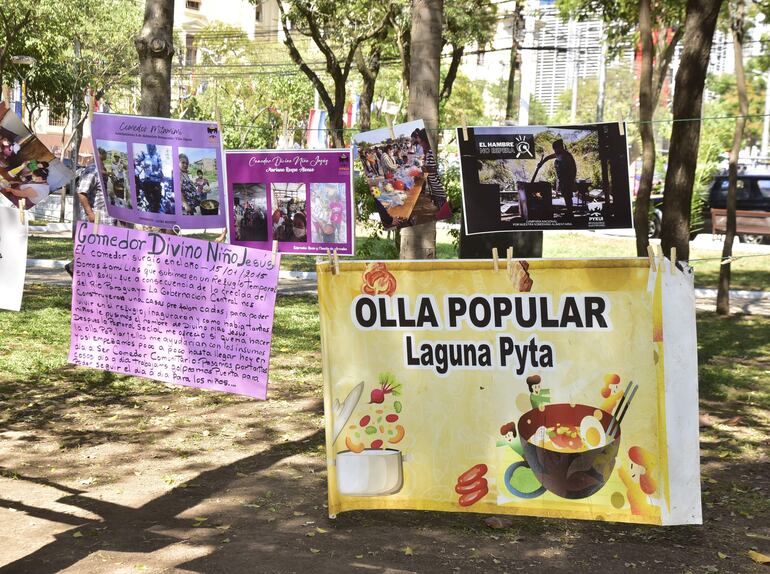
x: 766, y: 125
x: 602, y: 82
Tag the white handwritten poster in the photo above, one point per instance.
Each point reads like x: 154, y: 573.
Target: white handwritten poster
x: 173, y: 309
x: 13, y: 258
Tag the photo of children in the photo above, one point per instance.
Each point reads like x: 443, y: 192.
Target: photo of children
x: 153, y: 173
x: 329, y: 218
x: 250, y: 211
x: 289, y: 212
x: 543, y: 177
x: 199, y: 181
x: 114, y: 175
x: 402, y: 174
x: 28, y: 169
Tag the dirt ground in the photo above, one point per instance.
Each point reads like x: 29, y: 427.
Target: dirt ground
x: 102, y: 473
x: 120, y: 476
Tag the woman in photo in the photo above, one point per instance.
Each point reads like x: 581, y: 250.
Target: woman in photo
x: 191, y: 199
x: 430, y: 168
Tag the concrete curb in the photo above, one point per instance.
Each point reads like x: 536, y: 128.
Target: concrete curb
x: 50, y: 228
x: 47, y: 263
x: 740, y: 294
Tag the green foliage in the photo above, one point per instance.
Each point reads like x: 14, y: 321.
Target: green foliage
x: 250, y: 104
x: 48, y: 31
x: 468, y: 98
x: 727, y: 102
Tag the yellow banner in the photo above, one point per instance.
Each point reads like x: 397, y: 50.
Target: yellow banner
x: 537, y: 389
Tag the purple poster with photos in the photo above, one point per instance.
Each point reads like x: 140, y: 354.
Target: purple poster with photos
x: 173, y: 309
x: 301, y: 199
x: 159, y: 171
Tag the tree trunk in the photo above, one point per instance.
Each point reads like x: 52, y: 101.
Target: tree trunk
x: 524, y: 243
x: 155, y: 47
x: 419, y: 241
x: 646, y: 108
x: 510, y: 102
x: 369, y: 72
x: 700, y: 21
x: 738, y: 26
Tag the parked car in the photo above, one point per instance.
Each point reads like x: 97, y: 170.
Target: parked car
x: 753, y: 194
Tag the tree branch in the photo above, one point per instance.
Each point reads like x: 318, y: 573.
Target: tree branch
x: 664, y: 61
x: 332, y: 65
x: 363, y: 38
x: 297, y: 59
x: 449, y: 79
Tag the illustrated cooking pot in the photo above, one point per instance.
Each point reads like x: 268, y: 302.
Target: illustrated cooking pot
x: 570, y: 475
x: 371, y: 472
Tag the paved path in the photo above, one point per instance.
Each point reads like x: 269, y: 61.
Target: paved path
x: 746, y: 302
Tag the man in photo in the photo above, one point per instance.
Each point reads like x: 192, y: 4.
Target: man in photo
x: 149, y: 172
x: 566, y: 172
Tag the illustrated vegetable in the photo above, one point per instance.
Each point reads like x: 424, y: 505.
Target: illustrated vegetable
x: 387, y: 386
x: 353, y: 446
x: 391, y: 418
x: 474, y: 497
x: 472, y: 474
x: 376, y: 443
x: 364, y: 421
x: 399, y: 435
x: 466, y: 488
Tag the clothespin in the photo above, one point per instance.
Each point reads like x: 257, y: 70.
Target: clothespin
x: 622, y: 125
x: 336, y: 262
x: 97, y: 220
x: 389, y: 119
x: 177, y: 230
x: 464, y: 119
x: 651, y: 257
x: 673, y: 260
x: 22, y: 209
x: 509, y: 257
x: 331, y: 260
x: 494, y: 259
x: 275, y: 250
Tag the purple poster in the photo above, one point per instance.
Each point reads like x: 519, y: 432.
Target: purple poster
x: 301, y: 199
x: 173, y: 309
x: 159, y: 171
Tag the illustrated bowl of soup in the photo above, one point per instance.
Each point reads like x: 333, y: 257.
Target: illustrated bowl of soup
x: 568, y: 448
x: 209, y: 207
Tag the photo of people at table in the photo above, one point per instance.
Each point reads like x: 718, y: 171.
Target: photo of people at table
x: 28, y: 170
x: 113, y: 157
x: 402, y: 173
x: 153, y: 173
x: 289, y: 215
x: 543, y: 177
x: 199, y: 181
x: 250, y: 211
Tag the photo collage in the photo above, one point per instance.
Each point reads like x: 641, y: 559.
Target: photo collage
x: 300, y: 199
x: 177, y: 181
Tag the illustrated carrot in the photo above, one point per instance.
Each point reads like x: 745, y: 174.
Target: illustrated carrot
x: 398, y: 436
x: 353, y: 446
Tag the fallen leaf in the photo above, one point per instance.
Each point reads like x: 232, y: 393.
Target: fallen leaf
x: 735, y: 421
x: 77, y: 534
x: 310, y: 534
x: 359, y: 556
x: 759, y: 558
x: 297, y: 513
x: 498, y: 523
x: 321, y: 530
x: 223, y: 527
x: 722, y: 555
x: 205, y: 433
x: 225, y: 540
x: 408, y: 551
x: 314, y: 550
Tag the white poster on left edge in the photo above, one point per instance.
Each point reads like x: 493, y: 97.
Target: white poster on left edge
x: 13, y: 258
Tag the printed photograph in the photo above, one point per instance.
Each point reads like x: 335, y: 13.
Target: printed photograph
x: 199, y: 181
x: 250, y: 211
x: 114, y: 172
x: 402, y: 173
x: 153, y: 173
x: 540, y: 177
x: 28, y: 169
x: 289, y: 212
x: 328, y: 214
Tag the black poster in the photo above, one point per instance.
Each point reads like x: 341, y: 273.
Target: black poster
x: 527, y: 178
